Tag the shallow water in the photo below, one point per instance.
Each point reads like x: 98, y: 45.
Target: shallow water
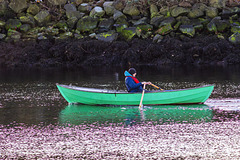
x: 36, y: 122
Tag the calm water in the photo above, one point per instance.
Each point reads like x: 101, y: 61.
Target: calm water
x: 31, y: 103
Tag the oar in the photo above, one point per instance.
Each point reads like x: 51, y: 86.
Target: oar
x: 140, y: 105
x: 156, y: 87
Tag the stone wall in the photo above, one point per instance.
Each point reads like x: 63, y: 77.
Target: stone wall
x: 123, y: 20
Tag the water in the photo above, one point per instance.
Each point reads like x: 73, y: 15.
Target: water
x: 36, y: 122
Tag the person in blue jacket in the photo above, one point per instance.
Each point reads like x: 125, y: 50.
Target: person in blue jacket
x: 132, y: 83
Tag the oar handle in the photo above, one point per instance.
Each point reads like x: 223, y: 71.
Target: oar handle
x: 156, y: 87
x: 140, y: 105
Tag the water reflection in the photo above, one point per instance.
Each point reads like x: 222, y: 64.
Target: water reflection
x: 164, y: 114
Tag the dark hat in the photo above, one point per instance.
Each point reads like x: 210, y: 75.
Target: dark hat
x: 132, y: 71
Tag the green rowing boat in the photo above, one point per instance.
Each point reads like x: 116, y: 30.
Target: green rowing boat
x: 93, y: 96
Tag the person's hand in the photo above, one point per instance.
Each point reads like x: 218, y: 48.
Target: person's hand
x: 149, y: 83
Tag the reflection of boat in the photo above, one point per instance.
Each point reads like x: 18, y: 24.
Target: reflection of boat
x: 91, y: 96
x: 80, y: 114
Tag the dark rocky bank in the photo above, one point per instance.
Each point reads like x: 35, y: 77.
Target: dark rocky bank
x: 71, y: 53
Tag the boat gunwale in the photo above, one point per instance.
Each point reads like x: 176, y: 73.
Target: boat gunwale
x: 102, y: 91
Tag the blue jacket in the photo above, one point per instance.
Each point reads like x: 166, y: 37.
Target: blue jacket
x: 131, y: 85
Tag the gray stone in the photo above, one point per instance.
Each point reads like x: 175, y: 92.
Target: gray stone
x: 57, y: 2
x: 43, y: 17
x: 87, y: 24
x: 118, y: 4
x: 72, y: 21
x: 108, y: 7
x: 107, y: 36
x: 97, y: 12
x: 18, y: 5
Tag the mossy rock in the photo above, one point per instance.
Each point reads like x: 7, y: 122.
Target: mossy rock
x: 27, y: 19
x: 211, y: 12
x: 107, y: 36
x: 218, y: 3
x: 52, y: 31
x: 118, y: 15
x: 195, y: 13
x: 164, y: 29
x: 18, y: 5
x: 179, y: 11
x: 2, y: 36
x: 57, y: 2
x: 32, y: 34
x: 97, y: 12
x: 85, y: 8
x: 212, y: 27
x: 131, y: 10
x: 155, y: 21
x: 120, y: 27
x: 108, y: 7
x: 200, y: 6
x: 154, y: 10
x: 33, y: 9
x: 106, y: 24
x: 87, y: 24
x: 188, y: 30
x: 25, y: 27
x: 70, y: 7
x: 183, y: 20
x: 13, y: 24
x: 144, y: 30
x: 72, y: 22
x: 43, y: 17
x: 235, y: 29
x: 2, y: 24
x: 169, y: 20
x: 128, y: 33
x: 15, y: 35
x: 75, y: 14
x: 235, y: 38
x: 65, y: 35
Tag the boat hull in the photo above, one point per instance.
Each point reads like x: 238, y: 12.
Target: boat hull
x: 104, y: 97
